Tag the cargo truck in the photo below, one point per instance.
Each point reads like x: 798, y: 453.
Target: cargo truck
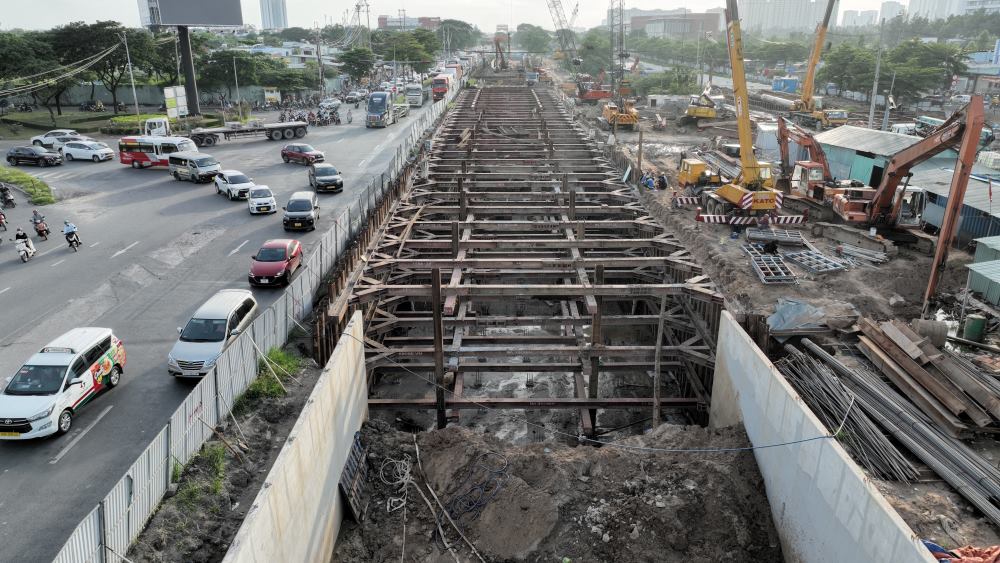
x: 416, y: 94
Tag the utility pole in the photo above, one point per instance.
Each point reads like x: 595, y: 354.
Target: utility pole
x: 878, y: 65
x: 697, y: 57
x: 319, y: 62
x: 128, y: 59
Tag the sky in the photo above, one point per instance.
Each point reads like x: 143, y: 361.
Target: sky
x: 303, y: 13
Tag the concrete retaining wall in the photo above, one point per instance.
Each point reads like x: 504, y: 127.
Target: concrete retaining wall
x: 297, y: 514
x: 824, y: 507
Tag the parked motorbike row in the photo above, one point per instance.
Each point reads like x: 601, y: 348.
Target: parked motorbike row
x: 319, y: 118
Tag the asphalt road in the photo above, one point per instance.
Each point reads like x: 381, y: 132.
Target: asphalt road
x: 153, y: 250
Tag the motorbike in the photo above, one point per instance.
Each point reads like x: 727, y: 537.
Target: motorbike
x: 350, y: 117
x: 7, y: 198
x: 74, y: 241
x: 3, y: 221
x: 24, y: 108
x: 357, y: 105
x: 42, y: 230
x: 23, y: 250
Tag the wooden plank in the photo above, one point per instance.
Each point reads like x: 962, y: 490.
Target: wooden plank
x: 930, y: 406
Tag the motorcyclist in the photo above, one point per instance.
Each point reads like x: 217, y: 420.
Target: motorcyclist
x: 21, y: 235
x: 69, y: 229
x: 36, y: 217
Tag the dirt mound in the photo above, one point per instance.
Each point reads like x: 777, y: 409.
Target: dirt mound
x: 555, y: 502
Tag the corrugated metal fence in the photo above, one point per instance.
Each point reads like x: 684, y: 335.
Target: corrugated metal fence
x: 107, y: 532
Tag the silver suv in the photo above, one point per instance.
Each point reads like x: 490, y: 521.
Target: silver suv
x: 212, y: 327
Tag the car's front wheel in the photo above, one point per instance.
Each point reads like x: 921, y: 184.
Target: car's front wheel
x: 95, y: 158
x: 114, y: 377
x: 69, y: 156
x: 65, y: 422
x: 12, y: 161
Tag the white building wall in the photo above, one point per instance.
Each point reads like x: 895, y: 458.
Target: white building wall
x: 273, y: 14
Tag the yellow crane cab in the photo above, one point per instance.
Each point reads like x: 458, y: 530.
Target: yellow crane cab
x: 696, y: 173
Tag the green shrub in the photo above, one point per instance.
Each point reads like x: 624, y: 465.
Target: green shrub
x: 265, y: 386
x: 39, y: 193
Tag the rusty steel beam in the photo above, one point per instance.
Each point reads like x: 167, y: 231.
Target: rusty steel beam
x: 536, y: 403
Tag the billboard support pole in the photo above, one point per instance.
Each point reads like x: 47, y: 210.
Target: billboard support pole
x: 187, y: 63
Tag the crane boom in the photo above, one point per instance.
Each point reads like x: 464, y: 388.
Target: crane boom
x: 809, y: 85
x: 965, y: 124
x: 567, y: 41
x: 751, y: 169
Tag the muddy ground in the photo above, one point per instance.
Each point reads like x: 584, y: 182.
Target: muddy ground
x: 561, y: 503
x: 218, y: 486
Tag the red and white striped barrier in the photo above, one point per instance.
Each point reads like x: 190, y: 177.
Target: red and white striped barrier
x: 743, y: 221
x: 685, y: 200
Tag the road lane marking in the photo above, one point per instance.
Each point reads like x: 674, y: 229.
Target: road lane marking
x: 4, y: 290
x: 362, y: 163
x: 237, y: 249
x: 378, y: 146
x: 93, y: 245
x: 57, y: 263
x: 79, y: 437
x: 124, y: 250
x: 53, y: 249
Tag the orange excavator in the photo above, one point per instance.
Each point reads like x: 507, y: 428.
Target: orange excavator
x: 890, y: 203
x: 809, y: 183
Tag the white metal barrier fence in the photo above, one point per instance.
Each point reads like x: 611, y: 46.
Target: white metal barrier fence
x: 106, y: 533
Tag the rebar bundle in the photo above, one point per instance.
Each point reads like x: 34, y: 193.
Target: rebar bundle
x: 832, y: 401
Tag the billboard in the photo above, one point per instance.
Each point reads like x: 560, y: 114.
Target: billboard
x: 175, y: 98
x: 200, y: 12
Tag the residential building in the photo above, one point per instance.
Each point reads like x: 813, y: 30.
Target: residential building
x: 295, y: 54
x: 630, y: 13
x: 773, y: 16
x: 936, y: 9
x: 891, y: 9
x: 684, y: 26
x: 855, y: 18
x: 404, y: 23
x: 972, y: 6
x: 273, y: 14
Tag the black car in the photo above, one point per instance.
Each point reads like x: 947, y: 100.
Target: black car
x: 33, y: 155
x: 324, y: 177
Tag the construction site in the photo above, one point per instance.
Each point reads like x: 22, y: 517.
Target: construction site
x: 731, y: 329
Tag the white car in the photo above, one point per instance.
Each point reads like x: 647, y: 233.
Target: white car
x: 46, y: 139
x: 58, y: 142
x: 45, y: 394
x: 329, y: 103
x: 86, y: 150
x: 261, y: 200
x: 233, y: 184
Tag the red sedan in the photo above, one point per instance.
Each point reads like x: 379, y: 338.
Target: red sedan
x: 303, y: 154
x: 275, y: 262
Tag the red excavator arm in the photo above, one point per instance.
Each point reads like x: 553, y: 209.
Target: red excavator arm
x: 966, y: 123
x: 790, y: 131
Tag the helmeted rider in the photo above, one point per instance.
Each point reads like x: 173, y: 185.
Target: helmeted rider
x: 36, y: 217
x: 69, y: 229
x: 21, y: 235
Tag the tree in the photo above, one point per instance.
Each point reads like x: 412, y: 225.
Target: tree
x: 298, y: 34
x: 849, y: 67
x: 427, y: 38
x: 532, y: 38
x: 357, y: 62
x: 457, y: 34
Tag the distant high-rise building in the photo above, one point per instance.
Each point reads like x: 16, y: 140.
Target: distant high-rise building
x: 273, y: 14
x: 972, y: 6
x: 936, y: 9
x: 891, y: 9
x: 849, y: 18
x: 405, y: 23
x: 782, y: 15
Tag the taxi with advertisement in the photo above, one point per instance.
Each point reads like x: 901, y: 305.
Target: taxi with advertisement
x: 43, y: 397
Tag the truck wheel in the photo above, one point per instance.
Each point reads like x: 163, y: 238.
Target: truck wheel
x: 209, y: 141
x: 289, y: 133
x: 275, y: 135
x: 198, y: 141
x: 300, y: 132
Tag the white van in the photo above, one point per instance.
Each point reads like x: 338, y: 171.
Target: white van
x: 193, y: 166
x: 43, y: 397
x: 212, y: 327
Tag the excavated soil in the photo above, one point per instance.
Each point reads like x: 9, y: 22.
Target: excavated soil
x: 564, y: 503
